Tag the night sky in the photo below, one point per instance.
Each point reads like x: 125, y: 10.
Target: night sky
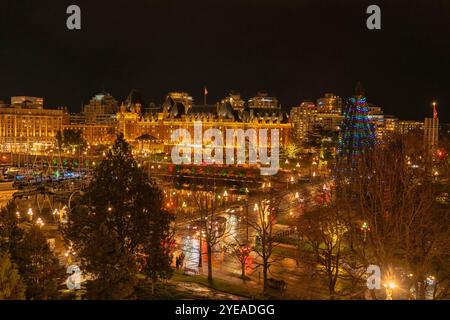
x: 293, y: 49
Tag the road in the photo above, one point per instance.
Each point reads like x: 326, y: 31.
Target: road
x: 226, y: 265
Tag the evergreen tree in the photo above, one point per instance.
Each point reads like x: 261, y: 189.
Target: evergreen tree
x: 38, y: 266
x: 11, y: 285
x: 111, y: 265
x: 10, y: 233
x: 123, y: 198
x: 158, y: 247
x: 357, y: 133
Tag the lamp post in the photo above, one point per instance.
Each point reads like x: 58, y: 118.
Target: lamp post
x: 30, y: 213
x: 246, y: 211
x: 200, y: 237
x: 390, y: 286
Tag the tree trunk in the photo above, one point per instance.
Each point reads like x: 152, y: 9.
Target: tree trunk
x: 420, y: 289
x: 153, y: 285
x: 265, y: 267
x: 209, y: 253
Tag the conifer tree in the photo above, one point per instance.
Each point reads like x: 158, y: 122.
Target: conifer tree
x: 10, y: 233
x: 128, y: 203
x: 38, y: 266
x: 11, y: 284
x: 357, y: 133
x: 112, y: 267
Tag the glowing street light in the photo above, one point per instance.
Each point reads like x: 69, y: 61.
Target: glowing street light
x: 390, y: 286
x: 40, y: 223
x: 30, y: 213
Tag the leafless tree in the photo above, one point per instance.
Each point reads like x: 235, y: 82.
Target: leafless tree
x: 212, y: 228
x: 241, y: 250
x: 262, y: 221
x: 392, y: 192
x: 323, y: 231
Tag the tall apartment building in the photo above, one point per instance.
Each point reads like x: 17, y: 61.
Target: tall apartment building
x: 102, y: 108
x: 330, y: 103
x: 405, y: 126
x: 431, y: 133
x: 97, y: 120
x: 383, y: 124
x: 302, y: 118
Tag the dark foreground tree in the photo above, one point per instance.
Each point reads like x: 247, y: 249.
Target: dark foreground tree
x: 128, y: 203
x: 38, y: 266
x: 10, y: 233
x: 112, y: 267
x: 11, y: 284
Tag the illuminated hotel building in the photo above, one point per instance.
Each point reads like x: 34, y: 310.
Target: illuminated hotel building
x: 25, y: 123
x: 235, y: 100
x: 175, y: 114
x: 263, y: 101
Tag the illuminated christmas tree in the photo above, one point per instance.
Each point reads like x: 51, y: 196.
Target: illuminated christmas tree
x: 357, y: 133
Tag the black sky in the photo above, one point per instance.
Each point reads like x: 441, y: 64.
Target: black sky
x: 293, y: 49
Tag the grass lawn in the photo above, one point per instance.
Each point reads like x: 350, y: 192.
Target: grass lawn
x: 163, y: 291
x: 218, y: 284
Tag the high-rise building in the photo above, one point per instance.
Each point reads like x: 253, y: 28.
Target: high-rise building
x: 390, y: 124
x: 431, y: 133
x: 405, y: 126
x: 330, y: 103
x: 263, y: 101
x: 102, y: 108
x: 303, y: 119
x: 329, y: 112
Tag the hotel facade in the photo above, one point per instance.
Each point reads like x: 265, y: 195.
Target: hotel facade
x: 25, y: 123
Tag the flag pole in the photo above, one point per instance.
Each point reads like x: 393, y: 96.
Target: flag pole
x: 205, y: 92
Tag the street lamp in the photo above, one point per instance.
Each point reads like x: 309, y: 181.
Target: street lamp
x: 200, y: 234
x: 40, y: 223
x: 390, y: 286
x: 365, y: 228
x: 30, y: 213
